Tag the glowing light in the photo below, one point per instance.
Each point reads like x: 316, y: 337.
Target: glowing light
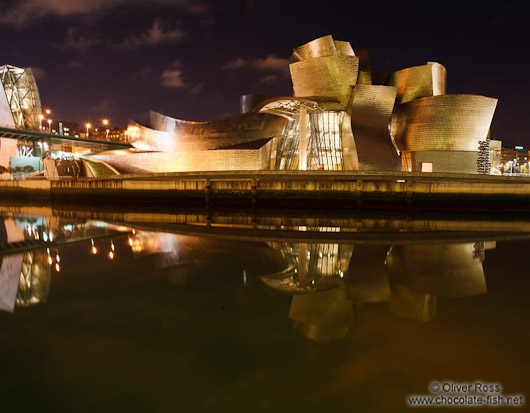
x: 111, y: 255
x: 57, y: 267
x: 112, y: 246
x: 105, y: 122
x: 51, y: 236
x: 57, y: 258
x: 50, y: 261
x: 48, y: 111
x: 94, y: 250
x: 130, y: 241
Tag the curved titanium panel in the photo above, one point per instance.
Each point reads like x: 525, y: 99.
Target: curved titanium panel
x: 419, y: 81
x: 179, y: 135
x: 147, y: 139
x: 344, y: 48
x: 453, y: 270
x: 365, y: 73
x: 371, y: 112
x: 323, y: 46
x: 331, y: 76
x: 248, y: 102
x: 447, y: 122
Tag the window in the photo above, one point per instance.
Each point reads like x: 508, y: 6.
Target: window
x: 426, y: 166
x: 406, y: 161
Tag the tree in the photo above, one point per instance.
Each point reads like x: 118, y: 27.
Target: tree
x: 3, y: 170
x: 28, y: 169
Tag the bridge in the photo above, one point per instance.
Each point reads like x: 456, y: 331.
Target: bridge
x: 34, y: 137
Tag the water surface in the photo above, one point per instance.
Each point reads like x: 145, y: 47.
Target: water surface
x: 224, y: 311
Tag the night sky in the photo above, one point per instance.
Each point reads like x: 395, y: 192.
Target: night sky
x: 192, y: 59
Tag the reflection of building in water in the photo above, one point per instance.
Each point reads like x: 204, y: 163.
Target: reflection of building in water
x: 419, y: 273
x: 321, y: 308
x: 35, y: 277
x: 310, y: 266
x: 25, y: 277
x: 165, y: 246
x: 323, y: 315
x: 330, y: 281
x: 9, y: 277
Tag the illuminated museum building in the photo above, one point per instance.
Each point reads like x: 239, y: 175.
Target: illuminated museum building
x: 338, y: 119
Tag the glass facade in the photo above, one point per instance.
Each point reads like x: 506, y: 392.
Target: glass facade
x: 324, y: 142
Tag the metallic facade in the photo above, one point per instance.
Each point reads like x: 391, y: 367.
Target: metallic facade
x: 338, y: 119
x: 174, y: 135
x: 371, y: 111
x: 22, y: 96
x: 447, y: 122
x: 329, y: 76
x: 419, y: 81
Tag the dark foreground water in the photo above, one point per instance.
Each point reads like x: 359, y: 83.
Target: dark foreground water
x: 186, y: 312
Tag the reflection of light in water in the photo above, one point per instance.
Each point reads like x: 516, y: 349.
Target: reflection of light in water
x: 94, y: 249
x: 57, y: 267
x: 111, y: 255
x: 130, y: 241
x: 112, y: 245
x: 57, y: 258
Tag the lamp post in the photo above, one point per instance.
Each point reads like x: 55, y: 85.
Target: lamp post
x: 50, y: 125
x: 106, y: 123
x: 88, y: 126
x: 41, y: 117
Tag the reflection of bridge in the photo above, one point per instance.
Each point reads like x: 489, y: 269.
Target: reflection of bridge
x: 39, y: 238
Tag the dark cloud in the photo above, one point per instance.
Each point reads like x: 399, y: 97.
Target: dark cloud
x: 172, y: 76
x: 156, y: 34
x: 26, y: 12
x: 270, y: 63
x: 105, y: 106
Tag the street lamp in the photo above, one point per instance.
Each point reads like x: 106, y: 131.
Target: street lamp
x: 50, y: 125
x: 41, y: 117
x: 106, y: 123
x: 88, y: 126
x: 48, y: 111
